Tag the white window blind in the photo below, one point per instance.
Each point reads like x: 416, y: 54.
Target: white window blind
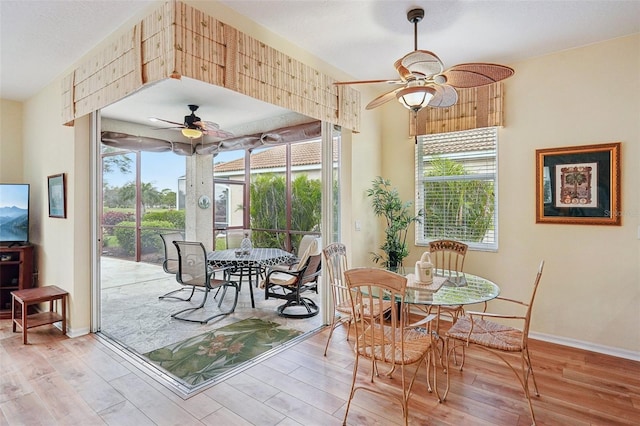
x: 456, y: 182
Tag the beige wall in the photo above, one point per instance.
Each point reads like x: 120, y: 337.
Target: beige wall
x: 62, y: 245
x: 591, y: 287
x: 10, y: 141
x: 590, y: 291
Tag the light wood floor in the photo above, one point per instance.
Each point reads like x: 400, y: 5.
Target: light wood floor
x: 60, y: 381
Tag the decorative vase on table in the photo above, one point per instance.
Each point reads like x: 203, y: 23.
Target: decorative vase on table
x: 245, y: 244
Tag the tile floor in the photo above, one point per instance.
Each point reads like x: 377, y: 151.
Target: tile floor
x: 134, y: 316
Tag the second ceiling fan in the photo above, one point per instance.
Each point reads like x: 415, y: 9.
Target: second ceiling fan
x: 424, y: 82
x: 193, y: 127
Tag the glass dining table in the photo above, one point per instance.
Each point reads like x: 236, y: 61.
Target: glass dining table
x: 254, y: 261
x: 448, y: 290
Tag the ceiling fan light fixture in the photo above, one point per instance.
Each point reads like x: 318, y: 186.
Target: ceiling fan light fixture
x: 192, y: 133
x: 415, y: 97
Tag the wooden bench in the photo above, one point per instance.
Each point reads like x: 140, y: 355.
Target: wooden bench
x: 32, y: 296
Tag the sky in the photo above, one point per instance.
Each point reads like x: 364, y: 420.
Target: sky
x: 162, y: 169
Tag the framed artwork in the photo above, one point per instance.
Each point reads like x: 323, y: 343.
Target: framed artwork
x: 57, y: 196
x: 579, y: 185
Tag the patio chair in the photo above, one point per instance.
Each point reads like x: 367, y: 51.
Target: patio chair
x: 290, y: 284
x: 498, y: 339
x: 384, y: 342
x: 170, y: 263
x: 194, y: 271
x: 294, y: 262
x: 234, y: 237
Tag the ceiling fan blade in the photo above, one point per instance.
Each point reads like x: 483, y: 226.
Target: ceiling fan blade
x: 207, y: 125
x: 444, y: 97
x: 421, y: 62
x: 404, y: 72
x: 338, y: 83
x: 168, y: 121
x: 382, y: 99
x: 476, y: 74
x: 165, y: 128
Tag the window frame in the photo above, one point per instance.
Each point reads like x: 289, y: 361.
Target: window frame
x: 421, y: 160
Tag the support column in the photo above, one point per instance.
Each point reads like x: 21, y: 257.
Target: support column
x: 199, y: 200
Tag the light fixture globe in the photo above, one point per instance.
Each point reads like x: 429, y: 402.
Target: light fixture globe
x: 415, y: 97
x: 192, y: 133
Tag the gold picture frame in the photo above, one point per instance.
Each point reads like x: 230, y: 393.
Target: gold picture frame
x: 57, y: 195
x: 579, y: 185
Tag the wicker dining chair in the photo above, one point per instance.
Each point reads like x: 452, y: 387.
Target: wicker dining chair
x: 499, y: 339
x: 448, y: 259
x: 384, y: 342
x: 335, y: 256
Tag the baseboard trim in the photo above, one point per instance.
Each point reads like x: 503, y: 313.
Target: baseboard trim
x: 587, y: 346
x: 574, y: 343
x: 72, y: 332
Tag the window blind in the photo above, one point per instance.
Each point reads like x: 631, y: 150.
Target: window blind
x: 456, y: 181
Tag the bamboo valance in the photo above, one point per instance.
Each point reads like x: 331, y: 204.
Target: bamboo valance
x: 476, y: 108
x: 177, y: 40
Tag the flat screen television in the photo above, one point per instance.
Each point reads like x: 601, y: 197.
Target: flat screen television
x: 14, y: 213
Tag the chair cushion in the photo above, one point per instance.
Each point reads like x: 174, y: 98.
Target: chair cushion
x: 416, y: 343
x: 487, y: 333
x: 278, y: 278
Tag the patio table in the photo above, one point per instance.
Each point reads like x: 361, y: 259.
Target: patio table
x: 256, y: 259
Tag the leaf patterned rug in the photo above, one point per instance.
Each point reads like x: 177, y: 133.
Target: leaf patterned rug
x: 203, y: 357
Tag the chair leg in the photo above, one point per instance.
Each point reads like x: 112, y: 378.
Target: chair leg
x: 180, y: 314
x: 224, y: 292
x: 176, y: 314
x: 310, y: 305
x: 527, y: 371
x: 334, y: 324
x: 169, y: 295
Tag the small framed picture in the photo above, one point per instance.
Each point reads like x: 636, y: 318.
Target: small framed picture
x: 579, y: 185
x: 57, y: 196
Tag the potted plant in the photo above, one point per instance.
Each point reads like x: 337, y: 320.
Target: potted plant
x: 386, y: 202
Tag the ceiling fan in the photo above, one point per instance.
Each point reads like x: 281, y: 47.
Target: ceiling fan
x: 193, y: 127
x: 423, y: 80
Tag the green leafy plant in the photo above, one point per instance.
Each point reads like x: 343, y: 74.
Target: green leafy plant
x: 457, y: 209
x: 386, y: 202
x: 151, y: 241
x: 268, y: 207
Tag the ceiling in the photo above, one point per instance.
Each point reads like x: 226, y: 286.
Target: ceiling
x: 39, y: 40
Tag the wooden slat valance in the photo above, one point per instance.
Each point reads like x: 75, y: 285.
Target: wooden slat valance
x: 476, y: 107
x: 178, y: 40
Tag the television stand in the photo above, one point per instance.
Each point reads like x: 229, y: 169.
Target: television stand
x: 16, y: 273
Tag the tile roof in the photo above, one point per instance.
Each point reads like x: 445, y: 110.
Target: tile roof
x: 302, y: 154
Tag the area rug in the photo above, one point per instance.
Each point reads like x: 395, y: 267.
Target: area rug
x: 201, y: 358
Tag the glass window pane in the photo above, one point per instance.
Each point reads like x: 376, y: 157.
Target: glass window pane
x: 268, y: 196
x: 118, y: 204
x: 457, y: 179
